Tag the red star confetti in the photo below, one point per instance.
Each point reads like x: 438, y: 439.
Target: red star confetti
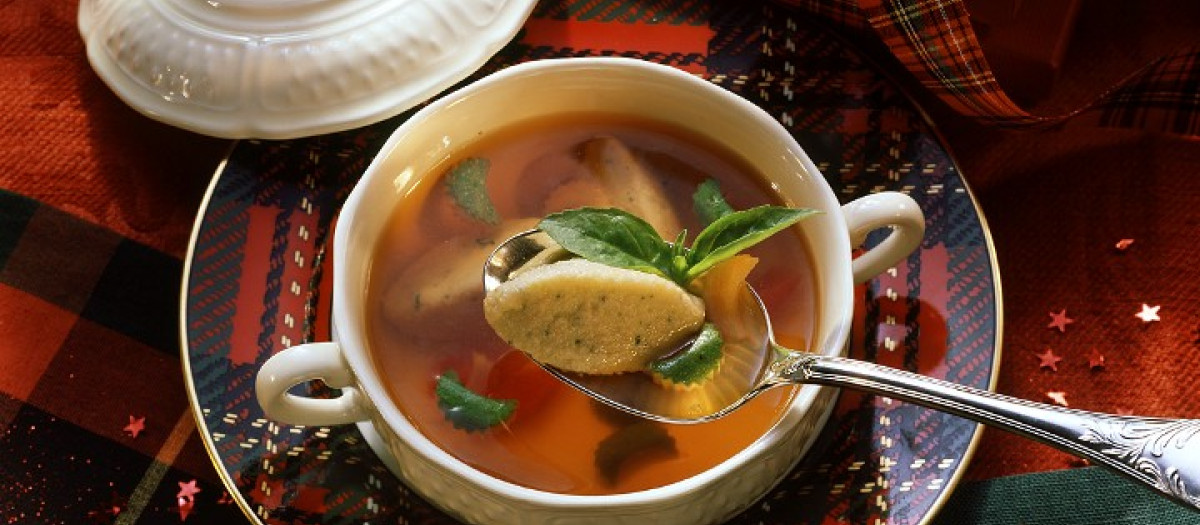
x: 1047, y: 359
x: 1148, y: 313
x: 1059, y: 398
x: 136, y: 426
x: 185, y: 508
x: 1060, y: 320
x: 1123, y: 244
x: 225, y: 499
x: 187, y: 490
x: 1095, y: 360
x: 186, y: 498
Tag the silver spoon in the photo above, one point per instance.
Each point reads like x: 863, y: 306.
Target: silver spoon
x: 1161, y: 453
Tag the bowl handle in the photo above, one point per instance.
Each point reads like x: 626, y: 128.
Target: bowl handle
x: 878, y: 210
x: 304, y: 363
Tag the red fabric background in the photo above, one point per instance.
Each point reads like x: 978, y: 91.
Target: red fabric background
x: 1056, y: 200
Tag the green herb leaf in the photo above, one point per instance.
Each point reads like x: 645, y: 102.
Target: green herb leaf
x: 694, y: 364
x: 708, y: 202
x: 467, y: 185
x: 468, y: 410
x: 737, y: 231
x: 610, y: 236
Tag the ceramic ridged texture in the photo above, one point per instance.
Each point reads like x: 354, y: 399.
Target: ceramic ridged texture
x: 365, y: 61
x: 170, y: 63
x: 723, y: 498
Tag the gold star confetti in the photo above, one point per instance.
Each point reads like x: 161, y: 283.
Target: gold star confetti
x: 1060, y: 320
x: 1047, y: 359
x: 1059, y: 398
x: 136, y: 426
x: 1123, y: 244
x: 1095, y: 360
x: 1148, y: 313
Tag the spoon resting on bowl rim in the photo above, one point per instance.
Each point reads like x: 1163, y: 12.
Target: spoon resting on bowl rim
x: 1161, y: 453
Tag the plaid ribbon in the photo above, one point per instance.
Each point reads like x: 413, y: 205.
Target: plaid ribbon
x: 934, y: 40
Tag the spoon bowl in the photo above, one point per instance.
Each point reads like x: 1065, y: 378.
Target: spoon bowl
x: 746, y: 359
x: 1161, y: 453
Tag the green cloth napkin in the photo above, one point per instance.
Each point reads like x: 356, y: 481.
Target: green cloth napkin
x: 1082, y: 496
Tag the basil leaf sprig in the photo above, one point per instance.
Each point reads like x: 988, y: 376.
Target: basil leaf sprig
x: 610, y: 236
x: 617, y: 238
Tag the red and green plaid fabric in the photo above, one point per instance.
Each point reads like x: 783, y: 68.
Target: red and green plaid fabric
x: 90, y: 338
x: 934, y: 40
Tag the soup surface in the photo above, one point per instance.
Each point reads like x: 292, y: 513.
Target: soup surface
x: 426, y: 281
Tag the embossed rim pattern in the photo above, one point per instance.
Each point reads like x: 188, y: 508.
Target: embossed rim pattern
x: 219, y: 75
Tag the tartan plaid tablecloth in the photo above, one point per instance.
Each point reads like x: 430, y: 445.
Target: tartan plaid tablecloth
x: 96, y: 204
x: 90, y: 345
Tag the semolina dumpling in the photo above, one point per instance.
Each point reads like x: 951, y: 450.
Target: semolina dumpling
x: 588, y: 317
x: 630, y: 184
x: 444, y: 279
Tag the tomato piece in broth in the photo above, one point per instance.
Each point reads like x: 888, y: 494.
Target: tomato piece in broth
x: 516, y: 376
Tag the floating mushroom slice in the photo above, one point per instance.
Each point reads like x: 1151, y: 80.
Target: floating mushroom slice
x: 587, y: 317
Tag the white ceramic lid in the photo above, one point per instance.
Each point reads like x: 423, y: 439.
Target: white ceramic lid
x: 277, y: 69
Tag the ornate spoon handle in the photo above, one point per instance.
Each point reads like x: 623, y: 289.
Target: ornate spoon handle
x: 1162, y: 453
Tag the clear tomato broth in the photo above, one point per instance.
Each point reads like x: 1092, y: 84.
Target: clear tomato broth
x: 551, y: 441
